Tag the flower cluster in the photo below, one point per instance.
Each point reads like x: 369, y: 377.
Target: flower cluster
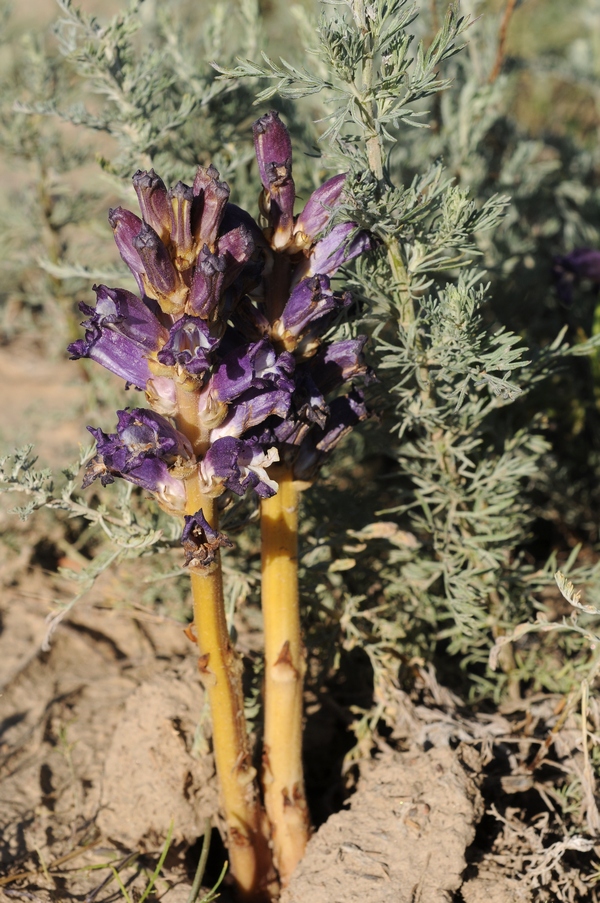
x: 226, y: 337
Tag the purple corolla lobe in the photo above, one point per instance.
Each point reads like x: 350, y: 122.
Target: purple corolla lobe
x: 340, y: 362
x: 345, y: 412
x: 339, y: 247
x: 319, y: 208
x: 251, y: 409
x: 189, y: 346
x: 238, y: 465
x: 121, y: 333
x: 251, y: 366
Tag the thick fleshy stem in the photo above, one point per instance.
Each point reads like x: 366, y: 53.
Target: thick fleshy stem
x: 221, y: 670
x: 283, y: 779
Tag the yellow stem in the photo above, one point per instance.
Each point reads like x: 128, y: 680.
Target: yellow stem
x: 283, y: 780
x: 188, y: 421
x: 221, y: 669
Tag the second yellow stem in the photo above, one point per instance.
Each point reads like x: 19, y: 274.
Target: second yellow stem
x: 283, y: 778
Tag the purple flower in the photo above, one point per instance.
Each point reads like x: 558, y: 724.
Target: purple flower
x: 238, y: 465
x: 200, y: 542
x: 312, y: 299
x: 345, y: 412
x: 250, y: 409
x: 340, y: 362
x: 142, y: 451
x: 237, y: 247
x: 274, y: 155
x: 251, y: 366
x: 582, y: 263
x: 121, y: 333
x: 318, y: 210
x: 189, y: 346
x: 333, y: 251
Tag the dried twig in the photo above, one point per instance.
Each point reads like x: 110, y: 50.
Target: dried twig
x: 508, y: 11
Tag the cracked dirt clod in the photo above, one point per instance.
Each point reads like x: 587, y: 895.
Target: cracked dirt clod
x: 403, y: 839
x: 150, y: 779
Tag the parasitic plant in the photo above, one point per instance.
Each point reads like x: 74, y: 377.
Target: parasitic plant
x: 227, y: 341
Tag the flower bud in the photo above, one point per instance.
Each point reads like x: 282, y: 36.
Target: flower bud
x: 211, y: 197
x: 154, y: 202
x: 158, y: 265
x: 274, y: 155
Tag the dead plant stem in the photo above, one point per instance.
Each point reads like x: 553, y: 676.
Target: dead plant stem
x: 502, y: 35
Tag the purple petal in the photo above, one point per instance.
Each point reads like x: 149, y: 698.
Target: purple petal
x: 333, y: 251
x: 146, y: 433
x: 310, y: 300
x: 154, y: 202
x: 126, y: 225
x: 140, y: 452
x: 345, y: 412
x: 189, y: 345
x: 318, y: 210
x: 339, y: 362
x: 251, y: 366
x: 252, y: 408
x: 120, y: 334
x: 200, y: 542
x: 274, y: 155
x: 238, y: 465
